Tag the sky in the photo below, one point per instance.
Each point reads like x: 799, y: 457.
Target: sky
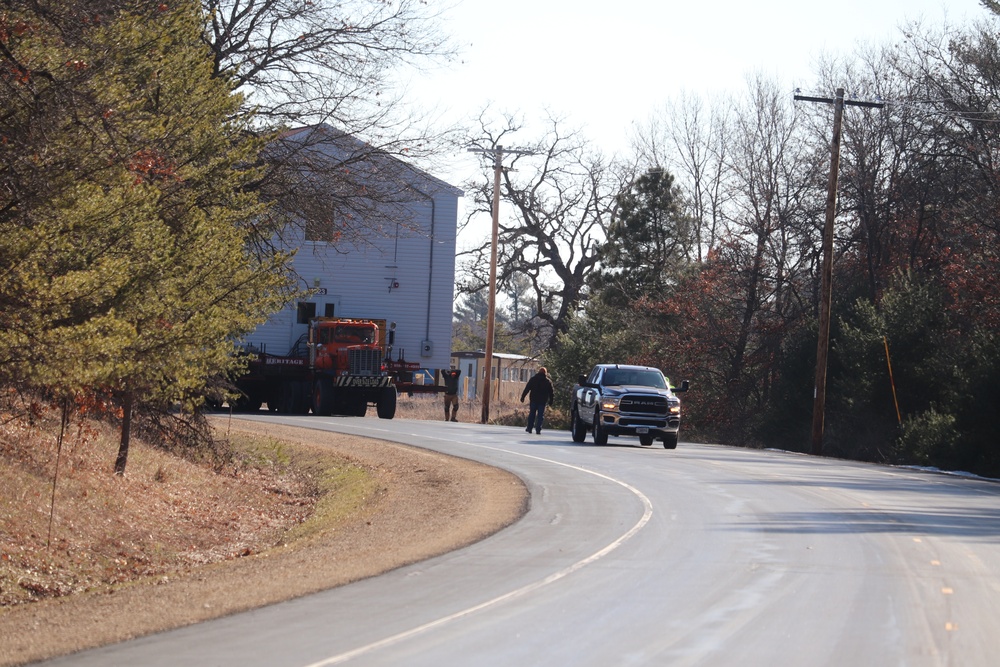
x: 603, y: 67
x: 606, y: 65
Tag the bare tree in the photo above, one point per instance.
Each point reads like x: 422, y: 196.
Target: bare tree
x: 324, y: 61
x: 563, y: 197
x: 775, y: 216
x: 336, y: 64
x: 690, y: 137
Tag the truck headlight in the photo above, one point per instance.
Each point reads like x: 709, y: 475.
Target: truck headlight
x: 609, y: 403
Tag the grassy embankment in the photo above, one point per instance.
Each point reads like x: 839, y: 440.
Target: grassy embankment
x: 87, y: 530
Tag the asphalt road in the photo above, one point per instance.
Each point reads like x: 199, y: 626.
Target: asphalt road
x: 703, y: 555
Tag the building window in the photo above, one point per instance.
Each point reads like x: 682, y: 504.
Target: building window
x: 305, y: 312
x: 329, y: 308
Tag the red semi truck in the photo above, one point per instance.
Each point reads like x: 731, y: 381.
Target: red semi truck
x: 341, y: 366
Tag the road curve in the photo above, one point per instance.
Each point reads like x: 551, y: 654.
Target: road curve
x: 703, y: 555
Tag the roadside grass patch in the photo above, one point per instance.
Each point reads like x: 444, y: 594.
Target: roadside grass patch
x: 165, y: 517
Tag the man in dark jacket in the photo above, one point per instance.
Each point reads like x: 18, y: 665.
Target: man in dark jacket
x: 451, y: 392
x: 540, y: 393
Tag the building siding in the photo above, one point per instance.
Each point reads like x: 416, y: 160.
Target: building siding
x: 407, y: 277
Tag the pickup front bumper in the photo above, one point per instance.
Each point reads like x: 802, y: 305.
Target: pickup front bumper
x: 617, y: 423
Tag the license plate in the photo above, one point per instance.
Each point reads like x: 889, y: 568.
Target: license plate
x: 642, y: 430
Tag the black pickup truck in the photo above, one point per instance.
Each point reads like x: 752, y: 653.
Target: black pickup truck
x: 626, y: 400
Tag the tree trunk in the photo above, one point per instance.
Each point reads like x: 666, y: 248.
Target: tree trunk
x: 126, y: 434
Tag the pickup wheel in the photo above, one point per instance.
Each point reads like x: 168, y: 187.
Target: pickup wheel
x: 670, y: 441
x: 577, y: 428
x: 645, y: 440
x: 600, y: 435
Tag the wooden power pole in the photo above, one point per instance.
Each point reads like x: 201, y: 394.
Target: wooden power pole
x: 826, y: 279
x: 498, y: 153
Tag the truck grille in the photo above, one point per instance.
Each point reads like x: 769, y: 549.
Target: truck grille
x: 644, y: 405
x: 364, y: 362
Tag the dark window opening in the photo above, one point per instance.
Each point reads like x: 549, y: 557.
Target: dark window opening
x: 305, y: 312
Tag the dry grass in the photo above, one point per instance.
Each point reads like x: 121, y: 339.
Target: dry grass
x: 431, y: 407
x: 165, y: 516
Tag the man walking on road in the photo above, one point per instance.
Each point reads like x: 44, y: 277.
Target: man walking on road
x: 540, y: 393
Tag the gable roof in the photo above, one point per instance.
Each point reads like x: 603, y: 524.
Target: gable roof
x: 327, y: 141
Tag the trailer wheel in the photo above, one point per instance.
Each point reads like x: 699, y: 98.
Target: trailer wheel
x: 322, y: 403
x: 386, y: 406
x: 246, y: 403
x: 300, y: 400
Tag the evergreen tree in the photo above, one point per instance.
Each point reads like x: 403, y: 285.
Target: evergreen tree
x: 648, y: 240
x: 126, y: 268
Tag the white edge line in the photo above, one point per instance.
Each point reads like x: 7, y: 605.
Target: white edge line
x: 530, y: 588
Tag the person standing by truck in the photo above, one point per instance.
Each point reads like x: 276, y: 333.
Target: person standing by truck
x: 451, y: 392
x: 540, y: 393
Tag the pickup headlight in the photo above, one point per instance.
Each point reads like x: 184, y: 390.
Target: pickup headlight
x: 609, y: 403
x: 674, y: 407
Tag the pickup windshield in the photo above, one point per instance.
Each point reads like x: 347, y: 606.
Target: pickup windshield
x: 641, y: 378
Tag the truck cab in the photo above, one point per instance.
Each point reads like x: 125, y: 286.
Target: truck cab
x: 347, y: 347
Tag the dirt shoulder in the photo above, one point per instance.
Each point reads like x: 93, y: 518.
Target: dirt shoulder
x: 427, y: 504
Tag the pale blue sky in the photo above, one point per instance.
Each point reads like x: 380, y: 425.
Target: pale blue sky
x: 606, y: 65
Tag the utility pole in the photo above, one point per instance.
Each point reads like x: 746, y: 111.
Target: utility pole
x: 498, y: 153
x: 826, y: 277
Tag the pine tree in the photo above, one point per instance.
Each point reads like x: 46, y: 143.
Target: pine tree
x: 132, y: 276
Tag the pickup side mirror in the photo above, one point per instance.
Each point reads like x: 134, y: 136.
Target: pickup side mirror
x: 685, y: 385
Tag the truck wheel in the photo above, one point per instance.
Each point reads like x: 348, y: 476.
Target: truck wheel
x: 646, y: 440
x: 600, y: 435
x: 360, y: 407
x: 322, y: 403
x: 386, y: 406
x: 670, y: 441
x: 577, y: 428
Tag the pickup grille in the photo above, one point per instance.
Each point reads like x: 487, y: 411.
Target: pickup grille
x: 364, y: 362
x: 644, y: 405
